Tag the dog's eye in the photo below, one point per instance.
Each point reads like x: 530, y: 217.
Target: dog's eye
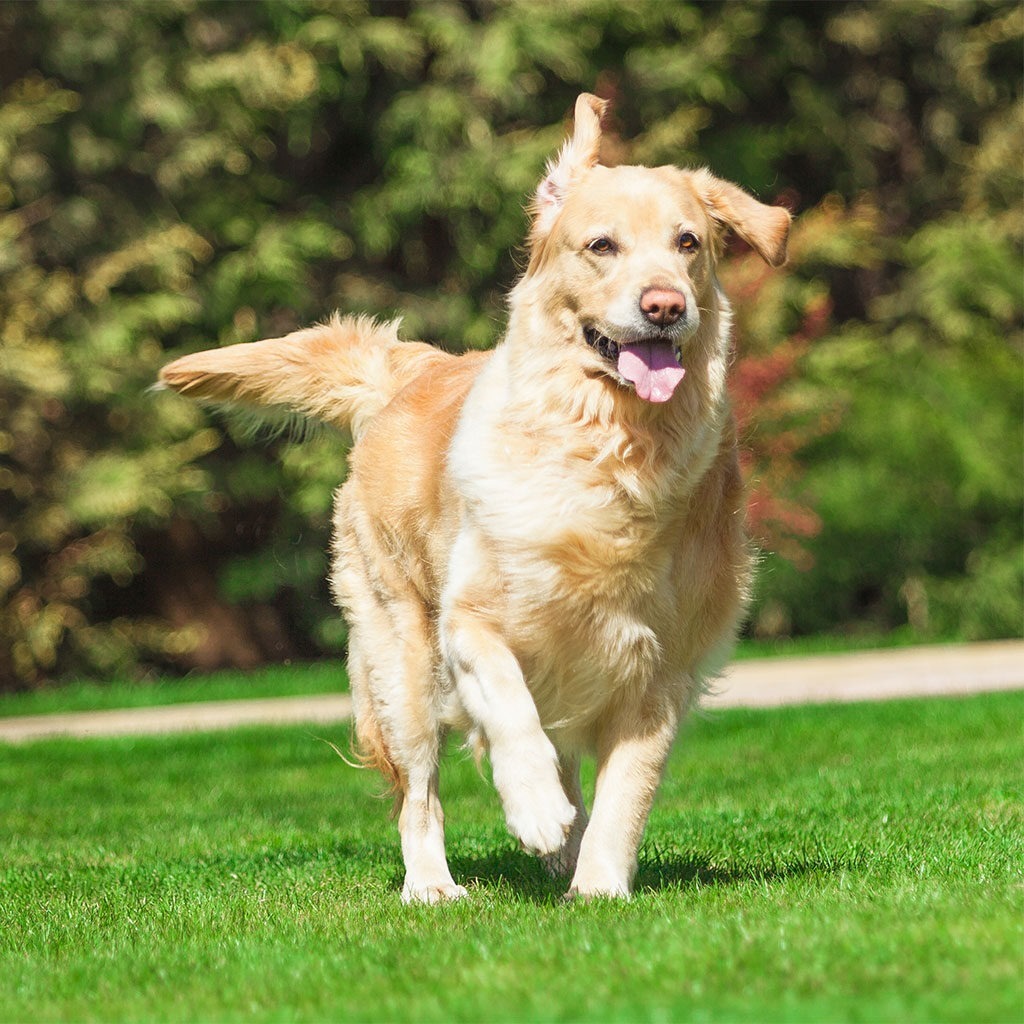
x: 602, y: 245
x: 688, y: 242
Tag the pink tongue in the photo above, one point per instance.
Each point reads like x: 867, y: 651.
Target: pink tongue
x: 652, y: 369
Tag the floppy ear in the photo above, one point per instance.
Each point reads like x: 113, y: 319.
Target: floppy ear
x: 766, y: 228
x: 577, y: 156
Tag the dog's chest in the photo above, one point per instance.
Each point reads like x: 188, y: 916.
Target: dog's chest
x: 577, y: 535
x: 587, y: 589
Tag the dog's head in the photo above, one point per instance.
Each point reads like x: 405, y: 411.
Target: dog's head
x: 629, y: 254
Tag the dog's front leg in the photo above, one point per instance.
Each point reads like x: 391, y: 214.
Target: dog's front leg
x: 524, y: 762
x: 491, y: 688
x: 631, y: 757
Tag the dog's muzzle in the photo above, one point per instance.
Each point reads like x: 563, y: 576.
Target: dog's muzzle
x: 653, y: 366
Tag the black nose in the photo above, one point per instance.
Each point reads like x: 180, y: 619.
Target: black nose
x: 663, y: 306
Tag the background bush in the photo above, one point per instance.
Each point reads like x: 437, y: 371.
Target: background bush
x: 183, y: 174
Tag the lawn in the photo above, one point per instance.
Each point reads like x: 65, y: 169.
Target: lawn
x: 845, y: 863
x: 273, y: 681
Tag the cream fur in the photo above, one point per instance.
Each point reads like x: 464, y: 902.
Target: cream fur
x: 525, y: 550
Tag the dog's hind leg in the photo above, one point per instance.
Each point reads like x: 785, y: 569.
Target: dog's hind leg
x: 405, y: 749
x: 412, y: 735
x: 395, y: 696
x: 409, y: 733
x: 421, y: 825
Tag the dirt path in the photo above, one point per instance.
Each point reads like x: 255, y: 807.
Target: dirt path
x: 873, y: 675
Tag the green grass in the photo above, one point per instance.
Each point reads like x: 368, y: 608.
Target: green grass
x: 273, y: 681
x: 831, y: 643
x: 842, y: 863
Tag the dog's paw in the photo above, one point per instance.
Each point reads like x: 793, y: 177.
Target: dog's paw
x: 590, y: 883
x: 542, y: 822
x: 537, y: 810
x: 444, y: 892
x: 599, y: 892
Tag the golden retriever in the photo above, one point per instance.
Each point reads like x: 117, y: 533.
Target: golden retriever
x: 540, y: 546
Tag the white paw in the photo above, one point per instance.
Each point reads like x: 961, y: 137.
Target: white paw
x: 588, y: 884
x: 413, y: 892
x: 615, y: 892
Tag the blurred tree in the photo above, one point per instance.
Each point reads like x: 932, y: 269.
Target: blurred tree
x: 920, y: 490
x: 183, y: 174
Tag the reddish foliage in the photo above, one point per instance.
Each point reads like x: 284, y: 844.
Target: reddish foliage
x: 773, y: 429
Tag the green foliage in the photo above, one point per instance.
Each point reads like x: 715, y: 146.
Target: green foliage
x: 179, y: 175
x: 917, y: 483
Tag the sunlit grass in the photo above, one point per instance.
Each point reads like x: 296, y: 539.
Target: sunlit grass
x: 861, y: 862
x: 826, y: 643
x: 272, y: 681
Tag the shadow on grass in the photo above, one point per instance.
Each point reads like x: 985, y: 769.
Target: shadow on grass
x: 658, y: 873
x: 509, y: 871
x: 525, y: 876
x: 499, y: 866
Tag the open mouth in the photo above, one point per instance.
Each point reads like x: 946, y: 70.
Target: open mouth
x: 604, y: 346
x: 653, y: 366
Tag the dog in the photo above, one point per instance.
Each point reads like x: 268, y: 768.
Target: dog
x: 541, y: 546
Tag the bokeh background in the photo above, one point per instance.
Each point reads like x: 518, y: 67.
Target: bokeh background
x: 183, y: 174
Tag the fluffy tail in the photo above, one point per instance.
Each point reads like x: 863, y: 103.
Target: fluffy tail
x: 342, y: 372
